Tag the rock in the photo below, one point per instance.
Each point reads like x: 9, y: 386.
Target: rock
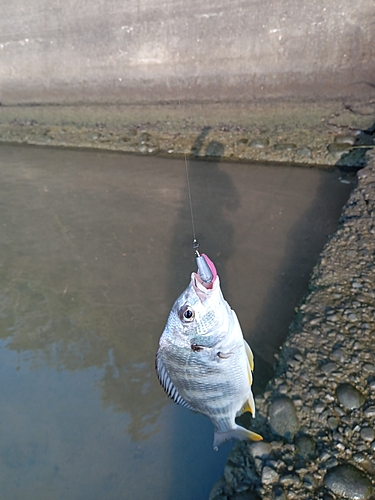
x: 352, y: 317
x: 305, y: 446
x: 309, y: 479
x: 333, y: 318
x: 283, y: 389
x: 338, y: 354
x: 259, y: 143
x: 217, y: 490
x: 230, y: 478
x: 364, y: 462
x: 243, y: 140
x: 315, y: 321
x: 331, y: 462
x: 333, y: 423
x: 305, y: 152
x: 144, y: 137
x: 283, y: 417
x: 349, y: 396
x: 367, y: 433
x: 346, y: 481
x: 290, y: 479
x: 319, y: 407
x: 260, y: 451
x: 284, y: 147
x: 339, y: 411
x: 245, y: 495
x: 328, y: 368
x: 325, y: 456
x: 279, y: 495
x: 215, y: 148
x: 269, y: 476
x: 345, y: 139
x: 370, y: 411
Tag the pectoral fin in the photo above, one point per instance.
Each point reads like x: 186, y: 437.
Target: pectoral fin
x: 168, y: 385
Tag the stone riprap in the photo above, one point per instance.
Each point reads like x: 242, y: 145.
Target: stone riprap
x: 317, y: 415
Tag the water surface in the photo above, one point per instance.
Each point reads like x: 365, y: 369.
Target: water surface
x: 94, y: 249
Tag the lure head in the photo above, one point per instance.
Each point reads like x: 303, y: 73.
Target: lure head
x: 206, y: 270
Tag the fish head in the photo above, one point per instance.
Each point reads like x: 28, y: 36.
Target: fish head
x: 200, y: 314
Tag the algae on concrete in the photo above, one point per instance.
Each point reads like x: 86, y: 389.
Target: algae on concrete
x: 311, y: 133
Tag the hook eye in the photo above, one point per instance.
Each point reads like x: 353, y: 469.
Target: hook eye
x: 186, y: 314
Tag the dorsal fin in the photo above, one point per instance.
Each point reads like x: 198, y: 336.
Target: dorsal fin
x: 167, y: 384
x: 250, y: 362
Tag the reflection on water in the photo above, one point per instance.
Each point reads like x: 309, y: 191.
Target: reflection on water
x: 213, y: 194
x: 94, y: 249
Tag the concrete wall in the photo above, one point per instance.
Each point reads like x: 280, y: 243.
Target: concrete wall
x: 65, y: 51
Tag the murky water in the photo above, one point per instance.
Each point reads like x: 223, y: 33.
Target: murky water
x: 95, y: 247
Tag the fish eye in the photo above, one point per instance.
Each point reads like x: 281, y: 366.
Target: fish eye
x: 186, y: 314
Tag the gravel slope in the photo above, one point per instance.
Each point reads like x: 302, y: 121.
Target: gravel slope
x: 318, y: 413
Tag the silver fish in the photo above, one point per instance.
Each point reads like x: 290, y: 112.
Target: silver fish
x: 203, y: 361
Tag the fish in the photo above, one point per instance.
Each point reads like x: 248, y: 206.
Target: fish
x: 203, y: 361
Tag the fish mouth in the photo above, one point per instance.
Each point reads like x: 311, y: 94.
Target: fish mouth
x: 206, y: 277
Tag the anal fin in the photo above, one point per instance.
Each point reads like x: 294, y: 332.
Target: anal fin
x: 249, y: 405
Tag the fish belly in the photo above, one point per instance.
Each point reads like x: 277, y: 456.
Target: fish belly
x: 216, y: 387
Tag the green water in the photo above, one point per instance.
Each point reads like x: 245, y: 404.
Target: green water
x: 94, y: 249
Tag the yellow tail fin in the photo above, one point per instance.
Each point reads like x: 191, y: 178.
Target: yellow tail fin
x: 237, y: 433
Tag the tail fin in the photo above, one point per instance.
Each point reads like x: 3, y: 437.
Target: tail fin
x: 237, y: 433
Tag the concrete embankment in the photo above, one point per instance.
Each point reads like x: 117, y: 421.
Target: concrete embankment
x: 265, y: 81
x: 317, y: 415
x: 145, y: 51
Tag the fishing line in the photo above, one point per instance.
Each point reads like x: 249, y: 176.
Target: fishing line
x: 195, y: 242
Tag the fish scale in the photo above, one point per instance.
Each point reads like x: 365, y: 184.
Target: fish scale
x: 203, y: 361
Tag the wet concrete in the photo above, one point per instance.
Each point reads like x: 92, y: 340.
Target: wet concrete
x: 94, y: 249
